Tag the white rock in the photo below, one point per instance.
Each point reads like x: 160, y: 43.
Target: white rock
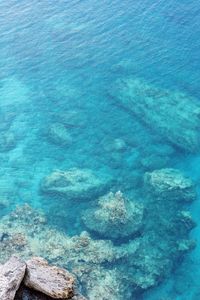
x: 11, y: 276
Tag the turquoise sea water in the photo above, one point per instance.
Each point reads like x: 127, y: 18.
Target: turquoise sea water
x: 59, y: 64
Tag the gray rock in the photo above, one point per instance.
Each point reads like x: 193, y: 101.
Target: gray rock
x: 11, y: 276
x: 49, y: 280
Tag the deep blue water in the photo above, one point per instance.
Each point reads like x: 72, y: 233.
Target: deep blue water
x: 65, y: 56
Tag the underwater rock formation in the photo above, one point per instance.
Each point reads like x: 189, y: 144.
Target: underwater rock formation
x: 103, y: 284
x: 152, y: 161
x: 168, y: 192
x: 11, y: 276
x: 49, y: 280
x: 173, y: 115
x: 115, y: 217
x: 102, y: 267
x: 59, y: 135
x: 165, y: 239
x: 87, y: 258
x: 116, y: 145
x: 71, y: 118
x: 74, y: 184
x: 185, y: 220
x: 171, y: 184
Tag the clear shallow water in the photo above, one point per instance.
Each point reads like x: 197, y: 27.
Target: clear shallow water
x: 66, y: 56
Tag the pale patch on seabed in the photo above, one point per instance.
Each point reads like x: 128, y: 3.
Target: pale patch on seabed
x: 13, y: 92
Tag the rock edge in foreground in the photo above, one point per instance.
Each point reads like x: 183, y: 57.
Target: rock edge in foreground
x: 38, y: 276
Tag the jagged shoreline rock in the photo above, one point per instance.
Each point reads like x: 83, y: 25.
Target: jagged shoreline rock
x: 38, y: 276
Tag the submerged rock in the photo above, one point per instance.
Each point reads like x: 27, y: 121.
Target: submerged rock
x: 71, y: 118
x: 171, y: 184
x: 115, y: 217
x: 185, y: 245
x: 106, y: 270
x: 49, y: 280
x: 74, y: 184
x: 7, y: 141
x: 82, y: 254
x: 153, y: 161
x: 115, y: 145
x: 185, y: 220
x: 59, y: 134
x: 173, y: 115
x: 107, y: 285
x: 11, y: 276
